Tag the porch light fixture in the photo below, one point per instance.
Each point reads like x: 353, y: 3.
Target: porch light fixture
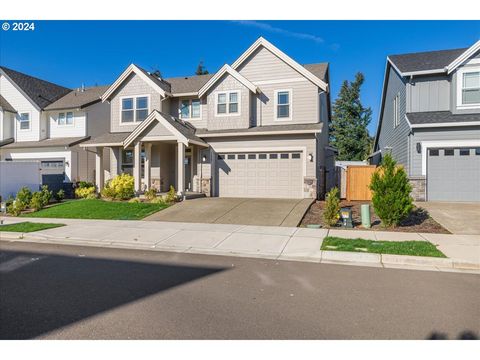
x: 204, y: 158
x: 310, y: 157
x: 419, y: 148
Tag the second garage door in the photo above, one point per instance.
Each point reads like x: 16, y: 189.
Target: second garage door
x: 262, y: 175
x: 453, y: 174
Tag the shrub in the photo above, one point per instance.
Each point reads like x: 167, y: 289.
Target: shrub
x: 46, y: 195
x: 391, y: 192
x: 159, y: 200
x: 85, y: 184
x: 85, y: 193
x: 134, y: 200
x: 24, y: 196
x: 15, y: 208
x: 332, y: 207
x: 150, y: 194
x: 121, y: 187
x: 60, y: 195
x: 171, y: 195
x: 37, y: 202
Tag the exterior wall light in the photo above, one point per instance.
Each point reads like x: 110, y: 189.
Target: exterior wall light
x: 204, y: 158
x: 310, y: 157
x: 419, y: 148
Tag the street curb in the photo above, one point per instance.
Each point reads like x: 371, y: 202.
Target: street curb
x: 326, y: 257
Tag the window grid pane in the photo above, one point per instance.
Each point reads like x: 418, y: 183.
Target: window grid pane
x: 185, y: 109
x: 69, y: 118
x: 127, y: 104
x: 283, y: 111
x: 61, y: 119
x: 127, y: 116
x: 195, y: 108
x: 283, y: 98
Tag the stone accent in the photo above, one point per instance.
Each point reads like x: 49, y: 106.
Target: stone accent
x: 206, y: 186
x: 419, y: 187
x: 310, y: 187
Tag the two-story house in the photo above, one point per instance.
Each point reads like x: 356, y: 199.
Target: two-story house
x: 430, y: 121
x: 255, y: 128
x: 43, y: 121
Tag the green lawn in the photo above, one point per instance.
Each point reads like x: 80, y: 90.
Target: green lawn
x: 28, y: 226
x: 98, y: 209
x: 414, y: 248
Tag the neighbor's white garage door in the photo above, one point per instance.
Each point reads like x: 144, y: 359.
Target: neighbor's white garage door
x: 262, y: 175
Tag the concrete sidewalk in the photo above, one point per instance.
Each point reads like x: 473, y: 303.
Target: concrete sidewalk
x: 272, y: 242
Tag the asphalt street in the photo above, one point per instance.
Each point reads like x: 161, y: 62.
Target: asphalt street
x: 70, y: 292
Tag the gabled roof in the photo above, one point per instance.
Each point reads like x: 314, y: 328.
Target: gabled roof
x: 42, y: 93
x: 320, y: 70
x: 280, y: 54
x: 5, y: 105
x: 226, y: 69
x: 77, y: 99
x: 441, y: 119
x: 158, y: 84
x: 55, y: 142
x: 184, y: 132
x: 187, y: 84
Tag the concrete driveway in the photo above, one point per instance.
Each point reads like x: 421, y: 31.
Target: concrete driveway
x: 269, y: 212
x: 457, y: 217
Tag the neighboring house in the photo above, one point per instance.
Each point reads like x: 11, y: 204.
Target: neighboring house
x: 43, y: 121
x: 255, y: 128
x: 430, y: 122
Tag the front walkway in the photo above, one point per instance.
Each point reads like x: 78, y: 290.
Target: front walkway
x: 215, y: 210
x: 456, y: 217
x: 270, y: 242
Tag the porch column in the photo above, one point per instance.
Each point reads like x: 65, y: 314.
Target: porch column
x: 99, y: 172
x: 180, y: 167
x: 115, y: 154
x: 148, y: 165
x: 137, y: 166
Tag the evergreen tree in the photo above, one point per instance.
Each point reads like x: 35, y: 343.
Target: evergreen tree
x: 201, y: 70
x: 348, y: 128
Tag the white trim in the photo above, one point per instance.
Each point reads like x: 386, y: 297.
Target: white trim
x: 20, y: 121
x: 224, y: 70
x: 423, y: 72
x: 185, y: 94
x: 272, y: 132
x: 408, y: 121
x: 287, y: 59
x: 396, y: 110
x: 443, y: 143
x: 460, y: 73
x: 446, y: 124
x: 132, y: 68
x: 101, y: 144
x: 459, y: 60
x: 65, y: 125
x: 290, y: 107
x: 281, y: 81
x: 134, y: 109
x: 227, y: 103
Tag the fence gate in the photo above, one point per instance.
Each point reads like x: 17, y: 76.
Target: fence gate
x: 358, y: 181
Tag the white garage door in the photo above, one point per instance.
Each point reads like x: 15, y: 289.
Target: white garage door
x: 262, y: 175
x: 453, y: 174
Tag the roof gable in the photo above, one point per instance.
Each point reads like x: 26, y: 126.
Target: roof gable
x: 287, y: 59
x: 226, y: 69
x: 40, y: 92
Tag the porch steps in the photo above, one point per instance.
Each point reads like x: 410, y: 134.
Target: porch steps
x: 193, y: 195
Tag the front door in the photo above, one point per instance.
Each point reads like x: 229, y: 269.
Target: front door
x: 188, y: 172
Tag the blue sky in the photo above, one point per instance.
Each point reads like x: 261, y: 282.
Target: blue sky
x: 96, y: 52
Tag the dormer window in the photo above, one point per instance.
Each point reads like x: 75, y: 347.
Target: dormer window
x: 65, y: 118
x: 134, y: 109
x: 228, y: 103
x: 190, y: 109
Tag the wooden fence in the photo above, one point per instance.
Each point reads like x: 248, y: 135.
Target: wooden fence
x: 358, y: 181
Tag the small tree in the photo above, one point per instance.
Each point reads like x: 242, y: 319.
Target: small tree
x: 391, y: 192
x: 332, y: 208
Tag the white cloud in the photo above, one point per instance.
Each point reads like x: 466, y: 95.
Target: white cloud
x: 277, y: 30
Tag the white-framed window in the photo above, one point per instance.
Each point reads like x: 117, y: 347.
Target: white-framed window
x: 468, y: 88
x: 283, y: 104
x: 65, y: 118
x: 396, y: 110
x: 190, y: 109
x: 134, y: 109
x: 227, y: 103
x: 24, y: 120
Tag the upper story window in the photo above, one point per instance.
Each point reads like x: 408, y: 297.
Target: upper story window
x: 134, y: 109
x: 24, y: 121
x: 471, y: 88
x: 283, y: 105
x: 396, y: 110
x: 190, y: 109
x: 228, y: 102
x: 65, y: 118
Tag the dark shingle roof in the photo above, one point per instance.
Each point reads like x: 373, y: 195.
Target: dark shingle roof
x: 185, y: 128
x: 188, y: 84
x: 78, y: 98
x: 422, y: 61
x: 42, y: 92
x: 108, y: 138
x: 160, y: 82
x: 319, y: 70
x: 259, y: 129
x: 5, y: 105
x: 439, y: 117
x: 66, y: 141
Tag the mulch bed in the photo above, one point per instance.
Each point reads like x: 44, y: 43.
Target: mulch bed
x: 418, y: 221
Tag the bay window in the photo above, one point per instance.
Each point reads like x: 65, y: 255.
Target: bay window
x: 134, y: 109
x: 228, y: 103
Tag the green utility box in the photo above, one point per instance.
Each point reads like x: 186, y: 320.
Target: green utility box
x: 365, y: 211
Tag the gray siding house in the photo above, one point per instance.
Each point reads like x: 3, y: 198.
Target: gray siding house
x: 430, y: 122
x: 256, y: 128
